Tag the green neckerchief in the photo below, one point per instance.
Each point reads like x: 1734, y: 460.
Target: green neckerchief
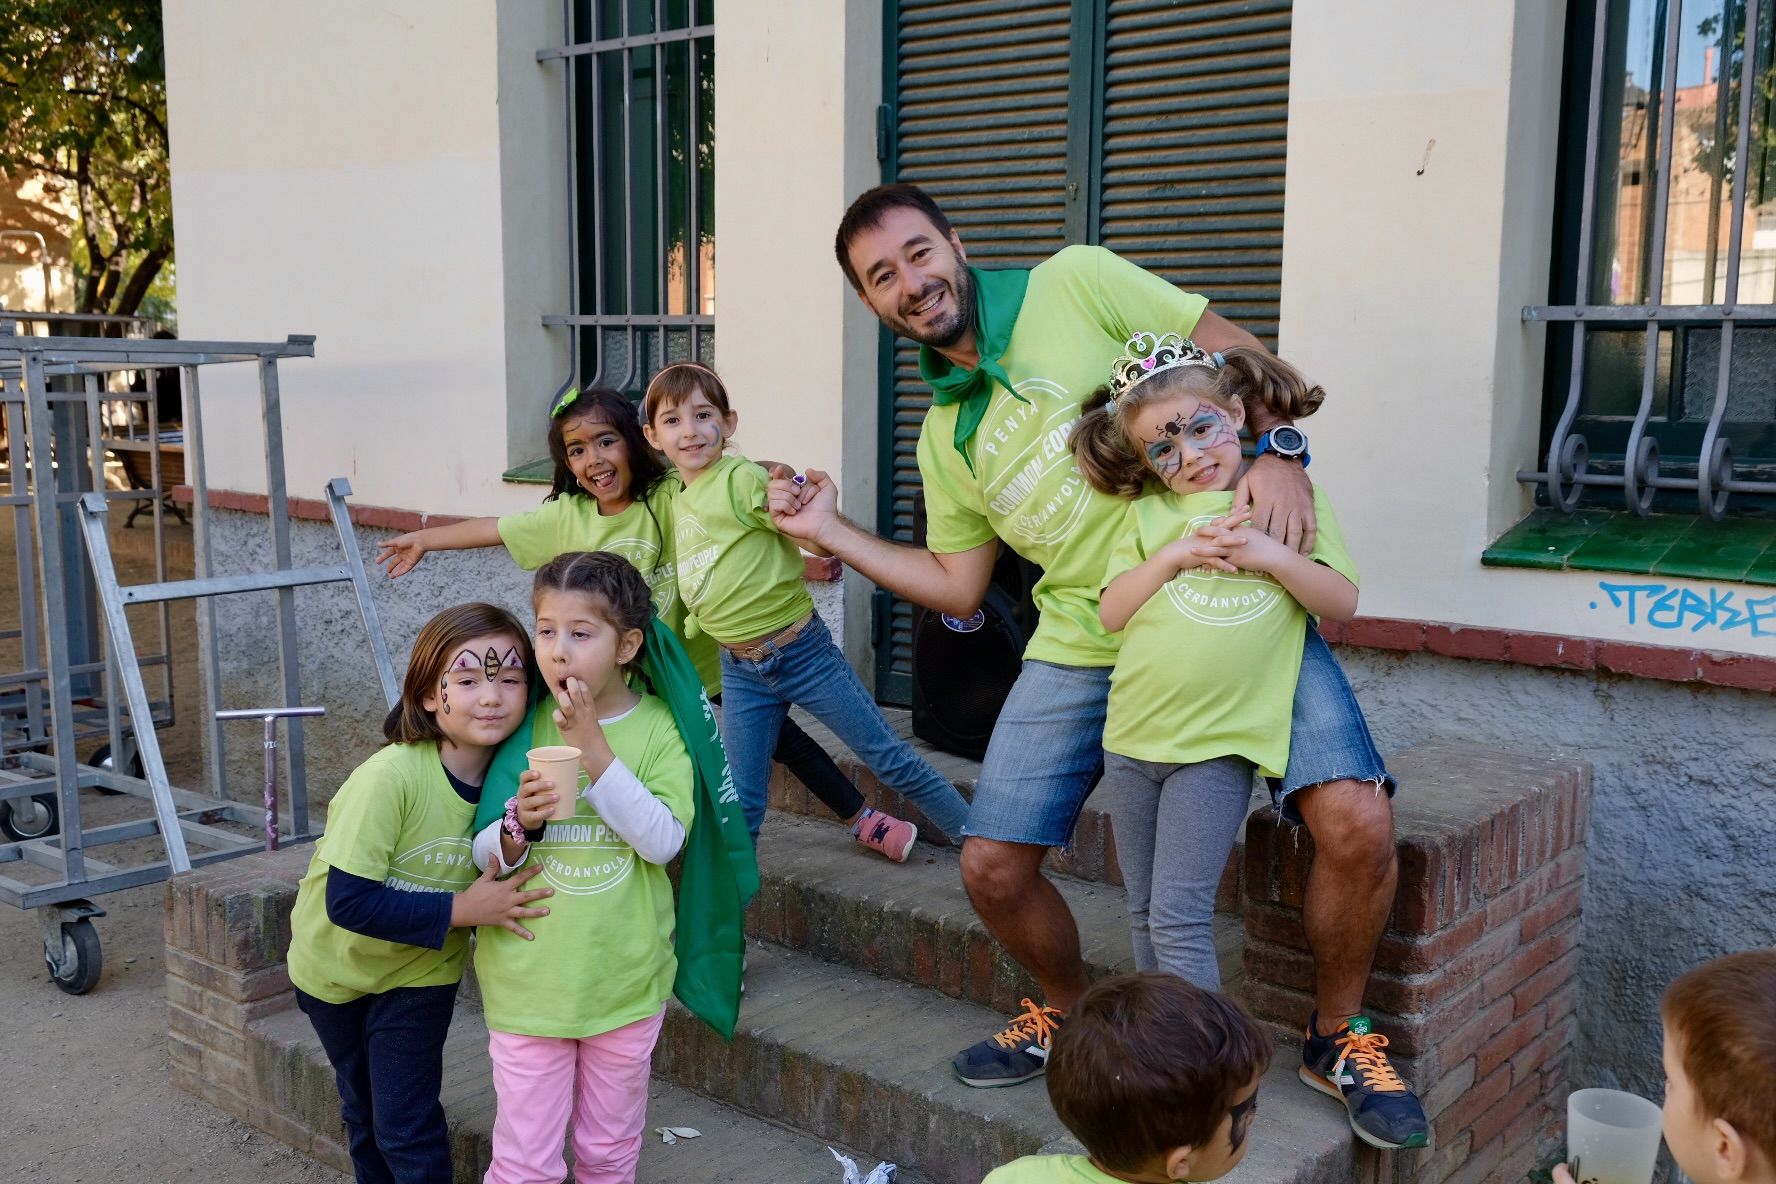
x: 998, y: 295
x: 718, y: 871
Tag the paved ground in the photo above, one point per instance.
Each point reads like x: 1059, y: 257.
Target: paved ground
x: 88, y: 1092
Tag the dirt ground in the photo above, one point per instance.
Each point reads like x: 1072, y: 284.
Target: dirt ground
x: 89, y: 1095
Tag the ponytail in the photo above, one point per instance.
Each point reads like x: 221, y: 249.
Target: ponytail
x: 1254, y: 376
x: 1100, y: 449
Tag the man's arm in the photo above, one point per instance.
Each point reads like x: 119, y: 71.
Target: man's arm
x: 954, y: 583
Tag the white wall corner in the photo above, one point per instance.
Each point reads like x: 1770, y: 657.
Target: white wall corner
x: 533, y: 159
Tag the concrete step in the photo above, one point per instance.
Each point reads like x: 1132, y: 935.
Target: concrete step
x: 1090, y: 856
x: 734, y: 1147
x: 865, y: 1061
x: 823, y: 894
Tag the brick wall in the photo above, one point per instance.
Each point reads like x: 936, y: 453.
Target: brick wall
x: 1475, y: 982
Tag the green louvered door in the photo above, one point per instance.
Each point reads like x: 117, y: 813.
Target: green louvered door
x: 1154, y: 127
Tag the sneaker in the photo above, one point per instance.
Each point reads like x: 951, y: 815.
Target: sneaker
x: 886, y: 835
x: 1017, y: 1054
x: 1352, y: 1066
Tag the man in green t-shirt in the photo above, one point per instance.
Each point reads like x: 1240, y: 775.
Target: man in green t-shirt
x: 1010, y: 356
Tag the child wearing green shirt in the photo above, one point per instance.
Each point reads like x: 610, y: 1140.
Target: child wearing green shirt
x: 742, y: 581
x: 1157, y: 1078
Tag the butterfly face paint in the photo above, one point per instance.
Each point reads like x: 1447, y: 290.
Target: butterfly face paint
x: 489, y: 663
x: 1190, y: 444
x: 480, y: 695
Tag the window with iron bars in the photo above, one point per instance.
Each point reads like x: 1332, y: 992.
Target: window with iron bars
x: 1661, y: 365
x: 642, y: 77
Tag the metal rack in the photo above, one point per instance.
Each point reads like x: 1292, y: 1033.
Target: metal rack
x: 57, y: 490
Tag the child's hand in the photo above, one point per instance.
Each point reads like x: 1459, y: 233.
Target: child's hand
x: 1563, y: 1174
x: 1262, y: 552
x: 536, y: 799
x: 402, y: 554
x: 1209, y: 547
x: 491, y: 901
x: 576, y: 717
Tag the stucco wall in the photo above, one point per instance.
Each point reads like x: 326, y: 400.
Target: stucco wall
x: 1683, y: 819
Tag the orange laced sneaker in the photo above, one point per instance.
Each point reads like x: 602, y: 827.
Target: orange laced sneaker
x: 1016, y: 1054
x: 1352, y: 1066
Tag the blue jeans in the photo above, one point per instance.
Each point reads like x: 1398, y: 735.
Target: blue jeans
x: 811, y: 673
x: 387, y: 1051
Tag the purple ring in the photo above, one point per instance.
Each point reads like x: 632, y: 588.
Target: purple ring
x: 799, y: 479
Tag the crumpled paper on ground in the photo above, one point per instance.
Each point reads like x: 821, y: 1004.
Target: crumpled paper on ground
x: 670, y: 1135
x: 882, y: 1173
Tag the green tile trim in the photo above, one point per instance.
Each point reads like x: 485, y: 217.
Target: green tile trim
x: 1738, y: 550
x: 531, y: 472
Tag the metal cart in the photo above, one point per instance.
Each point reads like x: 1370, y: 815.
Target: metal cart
x: 81, y: 675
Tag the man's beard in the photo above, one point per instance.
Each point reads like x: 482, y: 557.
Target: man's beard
x: 959, y: 324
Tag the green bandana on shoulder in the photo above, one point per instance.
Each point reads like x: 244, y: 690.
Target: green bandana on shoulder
x: 998, y: 295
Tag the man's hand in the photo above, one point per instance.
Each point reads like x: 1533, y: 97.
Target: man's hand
x: 1281, y: 500
x: 803, y: 511
x: 491, y: 901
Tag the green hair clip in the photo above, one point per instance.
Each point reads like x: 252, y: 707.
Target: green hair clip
x: 564, y: 402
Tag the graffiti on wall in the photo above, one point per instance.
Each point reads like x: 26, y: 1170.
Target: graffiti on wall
x: 1672, y: 608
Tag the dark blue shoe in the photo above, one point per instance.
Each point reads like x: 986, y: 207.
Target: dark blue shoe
x: 1352, y: 1066
x: 1017, y: 1054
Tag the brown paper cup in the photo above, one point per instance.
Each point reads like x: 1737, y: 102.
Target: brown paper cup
x: 559, y: 763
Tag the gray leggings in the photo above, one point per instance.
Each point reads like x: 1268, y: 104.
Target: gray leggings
x: 1175, y: 825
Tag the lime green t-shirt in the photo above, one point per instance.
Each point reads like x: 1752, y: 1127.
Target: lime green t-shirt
x: 1082, y: 306
x: 1049, y: 1169
x: 641, y: 534
x: 603, y: 956
x: 396, y: 821
x: 1209, y: 664
x: 738, y: 576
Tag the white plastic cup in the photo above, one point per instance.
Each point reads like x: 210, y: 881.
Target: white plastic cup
x: 559, y: 763
x: 1612, y: 1137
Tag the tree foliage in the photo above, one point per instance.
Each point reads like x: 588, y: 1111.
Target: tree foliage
x: 83, y: 99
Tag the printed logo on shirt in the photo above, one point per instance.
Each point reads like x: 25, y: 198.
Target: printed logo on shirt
x: 697, y: 553
x: 1033, y: 488
x: 441, y: 865
x: 1219, y: 597
x: 584, y: 857
x: 644, y: 555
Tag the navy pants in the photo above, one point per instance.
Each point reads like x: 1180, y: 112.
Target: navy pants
x: 388, y: 1058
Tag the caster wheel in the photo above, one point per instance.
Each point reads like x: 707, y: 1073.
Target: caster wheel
x: 101, y: 759
x: 34, y: 817
x: 76, y: 966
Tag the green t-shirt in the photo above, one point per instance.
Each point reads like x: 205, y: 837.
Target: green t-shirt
x: 396, y: 821
x: 603, y: 956
x: 1049, y: 1169
x: 738, y: 576
x: 1209, y: 664
x: 641, y: 534
x: 1082, y: 306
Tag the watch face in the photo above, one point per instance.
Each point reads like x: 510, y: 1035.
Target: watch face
x: 1287, y: 440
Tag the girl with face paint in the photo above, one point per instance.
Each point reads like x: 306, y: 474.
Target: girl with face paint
x: 1213, y: 617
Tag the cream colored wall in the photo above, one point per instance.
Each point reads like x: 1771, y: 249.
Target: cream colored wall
x: 1418, y: 209
x: 797, y: 85
x: 386, y: 177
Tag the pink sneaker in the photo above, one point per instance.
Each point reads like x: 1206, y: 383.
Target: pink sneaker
x: 887, y: 835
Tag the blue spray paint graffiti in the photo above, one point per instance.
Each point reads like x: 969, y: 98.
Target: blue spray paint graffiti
x: 1664, y: 607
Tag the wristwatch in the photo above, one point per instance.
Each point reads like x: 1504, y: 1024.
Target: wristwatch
x: 1288, y: 442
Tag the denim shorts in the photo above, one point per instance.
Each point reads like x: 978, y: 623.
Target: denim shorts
x: 1047, y: 747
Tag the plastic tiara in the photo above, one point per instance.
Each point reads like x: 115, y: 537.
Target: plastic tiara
x: 1149, y: 354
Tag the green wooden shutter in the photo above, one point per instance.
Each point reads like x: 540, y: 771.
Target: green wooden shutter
x: 1153, y: 127
x: 1196, y: 99
x: 978, y: 103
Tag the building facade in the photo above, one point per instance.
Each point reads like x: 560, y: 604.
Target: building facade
x: 471, y: 204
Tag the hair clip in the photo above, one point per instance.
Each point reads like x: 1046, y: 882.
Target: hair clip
x: 1220, y: 362
x: 1149, y: 354
x: 564, y: 402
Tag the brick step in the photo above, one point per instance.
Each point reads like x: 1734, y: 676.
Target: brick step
x: 1091, y: 855
x: 865, y: 1061
x: 823, y: 894
x: 734, y: 1148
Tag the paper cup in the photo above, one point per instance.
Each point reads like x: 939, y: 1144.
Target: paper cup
x: 1611, y: 1137
x: 559, y: 763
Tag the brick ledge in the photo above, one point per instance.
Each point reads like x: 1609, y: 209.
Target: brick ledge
x: 308, y: 509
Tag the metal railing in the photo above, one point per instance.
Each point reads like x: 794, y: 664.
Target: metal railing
x: 1566, y: 469
x: 629, y: 46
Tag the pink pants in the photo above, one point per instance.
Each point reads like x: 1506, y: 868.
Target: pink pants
x: 601, y: 1080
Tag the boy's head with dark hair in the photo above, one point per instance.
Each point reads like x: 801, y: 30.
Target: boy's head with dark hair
x: 1720, y: 1068
x: 1158, y: 1078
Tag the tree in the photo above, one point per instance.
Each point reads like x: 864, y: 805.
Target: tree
x: 83, y: 99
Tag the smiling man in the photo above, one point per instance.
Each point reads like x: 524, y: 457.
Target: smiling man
x: 1010, y: 356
